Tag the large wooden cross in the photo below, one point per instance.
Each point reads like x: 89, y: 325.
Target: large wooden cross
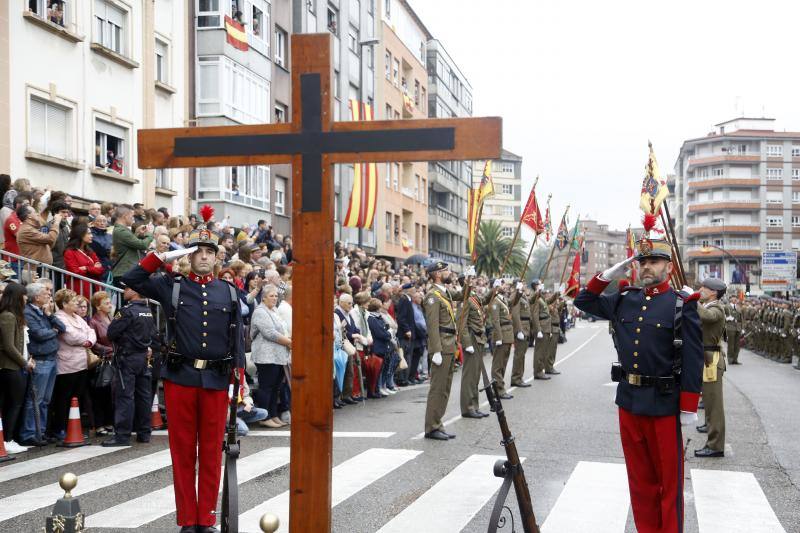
x: 312, y: 142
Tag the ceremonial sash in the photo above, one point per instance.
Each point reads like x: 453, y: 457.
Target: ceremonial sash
x: 478, y: 306
x: 447, y: 305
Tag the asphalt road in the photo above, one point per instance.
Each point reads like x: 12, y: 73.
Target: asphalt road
x: 387, y: 478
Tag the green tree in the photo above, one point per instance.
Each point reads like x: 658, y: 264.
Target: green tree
x: 492, y: 246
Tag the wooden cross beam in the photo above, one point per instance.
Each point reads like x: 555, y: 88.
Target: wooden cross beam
x: 312, y: 142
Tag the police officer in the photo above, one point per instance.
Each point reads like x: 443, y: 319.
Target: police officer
x: 205, y: 346
x: 502, y: 338
x: 659, y: 378
x: 712, y: 318
x: 135, y: 337
x: 473, y: 340
x: 440, y: 319
x: 521, y: 320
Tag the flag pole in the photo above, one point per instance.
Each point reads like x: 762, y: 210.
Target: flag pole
x: 666, y: 220
x: 572, y: 240
x: 530, y: 252
x: 514, y: 240
x: 543, y: 272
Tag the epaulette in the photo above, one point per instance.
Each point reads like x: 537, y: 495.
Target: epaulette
x: 688, y: 298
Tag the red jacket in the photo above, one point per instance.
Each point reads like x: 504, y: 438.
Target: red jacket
x: 86, y: 264
x: 10, y: 229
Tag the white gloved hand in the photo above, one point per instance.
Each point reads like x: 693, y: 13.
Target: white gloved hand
x: 521, y: 336
x: 687, y: 289
x: 470, y: 271
x: 497, y: 283
x: 498, y: 343
x: 617, y: 271
x: 175, y: 254
x: 561, y: 289
x: 729, y: 318
x: 520, y: 285
x: 539, y: 335
x: 469, y: 349
x: 437, y: 358
x: 687, y: 419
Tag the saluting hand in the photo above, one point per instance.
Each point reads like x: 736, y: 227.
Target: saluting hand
x: 617, y: 271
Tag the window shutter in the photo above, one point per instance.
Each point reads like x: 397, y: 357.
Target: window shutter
x: 38, y: 120
x: 115, y: 15
x: 111, y: 129
x: 56, y: 131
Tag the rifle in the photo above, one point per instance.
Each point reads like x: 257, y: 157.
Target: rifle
x: 510, y: 469
x: 230, y: 484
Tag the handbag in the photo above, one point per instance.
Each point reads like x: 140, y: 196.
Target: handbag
x: 402, y: 365
x: 92, y: 360
x: 103, y: 375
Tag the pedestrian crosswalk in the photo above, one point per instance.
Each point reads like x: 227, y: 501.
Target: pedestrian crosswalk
x: 594, y: 496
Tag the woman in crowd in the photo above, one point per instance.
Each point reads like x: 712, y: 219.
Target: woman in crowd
x: 370, y: 364
x: 393, y: 362
x: 80, y: 259
x: 71, y: 362
x: 382, y: 344
x: 270, y: 352
x: 13, y: 364
x: 101, y: 241
x: 101, y: 396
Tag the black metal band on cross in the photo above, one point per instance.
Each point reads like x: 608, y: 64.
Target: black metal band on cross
x: 311, y: 142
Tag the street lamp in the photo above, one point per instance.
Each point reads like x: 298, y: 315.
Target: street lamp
x: 366, y: 42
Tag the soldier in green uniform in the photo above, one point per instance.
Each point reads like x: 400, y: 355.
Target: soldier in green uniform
x: 440, y: 319
x: 502, y: 338
x: 473, y: 340
x: 786, y: 319
x: 712, y: 319
x: 733, y: 329
x: 541, y: 330
x: 555, y: 328
x: 796, y: 334
x: 521, y: 320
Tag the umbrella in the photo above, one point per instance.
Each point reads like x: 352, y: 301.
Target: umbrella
x: 417, y: 259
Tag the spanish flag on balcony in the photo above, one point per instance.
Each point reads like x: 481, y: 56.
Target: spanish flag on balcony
x: 364, y: 196
x: 236, y: 35
x: 473, y: 219
x: 486, y: 187
x: 654, y: 186
x: 405, y: 243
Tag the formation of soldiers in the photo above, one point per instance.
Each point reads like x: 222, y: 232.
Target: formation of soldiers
x: 472, y: 311
x: 769, y: 327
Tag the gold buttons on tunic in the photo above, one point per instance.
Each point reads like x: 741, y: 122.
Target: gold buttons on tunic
x: 205, y: 323
x: 638, y: 330
x: 205, y: 294
x: 203, y: 286
x: 658, y: 325
x: 640, y: 319
x: 635, y: 354
x: 205, y: 334
x: 647, y: 298
x: 635, y: 365
x: 205, y: 313
x: 636, y: 341
x: 205, y: 302
x: 644, y: 308
x: 204, y: 345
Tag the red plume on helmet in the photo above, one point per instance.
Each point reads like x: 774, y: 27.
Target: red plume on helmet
x: 649, y: 221
x: 206, y: 212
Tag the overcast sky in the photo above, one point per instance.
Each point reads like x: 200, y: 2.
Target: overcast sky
x: 582, y: 85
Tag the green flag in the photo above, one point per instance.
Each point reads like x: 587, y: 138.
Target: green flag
x: 575, y: 241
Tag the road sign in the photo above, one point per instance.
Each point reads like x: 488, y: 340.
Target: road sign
x: 778, y: 271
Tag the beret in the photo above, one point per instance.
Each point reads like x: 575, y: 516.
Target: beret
x: 715, y: 284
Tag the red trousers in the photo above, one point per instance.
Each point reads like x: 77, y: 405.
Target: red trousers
x: 653, y: 447
x: 196, y: 430
x: 372, y: 369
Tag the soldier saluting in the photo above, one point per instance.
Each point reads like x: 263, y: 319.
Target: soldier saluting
x: 205, y: 347
x: 660, y: 351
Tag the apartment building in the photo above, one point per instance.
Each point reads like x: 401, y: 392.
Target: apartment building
x: 77, y: 80
x: 506, y: 204
x: 449, y: 95
x: 737, y: 194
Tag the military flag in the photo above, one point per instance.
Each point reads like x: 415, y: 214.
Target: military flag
x: 364, y: 195
x: 562, y: 237
x: 548, y: 226
x: 575, y: 244
x: 486, y: 187
x: 473, y: 219
x: 573, y: 283
x: 630, y: 250
x: 531, y: 215
x: 654, y: 186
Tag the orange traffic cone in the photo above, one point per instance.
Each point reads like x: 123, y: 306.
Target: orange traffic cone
x: 3, y: 453
x: 74, y: 436
x: 155, y: 415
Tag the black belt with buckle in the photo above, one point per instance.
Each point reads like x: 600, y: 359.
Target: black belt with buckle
x: 712, y: 349
x: 505, y: 322
x: 220, y: 365
x: 451, y: 331
x: 638, y: 380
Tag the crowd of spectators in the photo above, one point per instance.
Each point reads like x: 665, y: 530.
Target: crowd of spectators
x: 54, y: 321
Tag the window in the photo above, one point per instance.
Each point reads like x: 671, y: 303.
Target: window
x: 774, y: 197
x: 508, y: 210
x: 387, y: 64
x: 336, y: 83
x: 775, y: 221
x: 717, y: 171
x: 396, y: 176
x: 281, y: 113
x: 229, y: 89
x: 738, y: 244
x: 796, y: 173
x: 507, y: 232
x: 774, y: 173
x: 796, y: 197
x: 257, y: 22
x: 109, y: 26
x: 208, y: 14
x: 280, y: 46
x: 795, y: 244
x: 247, y: 185
x: 396, y: 228
x: 280, y: 196
x: 388, y: 112
x: 49, y: 129
x: 54, y: 11
x: 110, y: 142
x: 396, y: 72
x: 163, y: 179
x: 162, y: 61
x: 795, y: 151
x: 795, y: 221
x: 774, y: 150
x: 388, y: 226
x: 352, y: 39
x: 388, y: 9
x: 507, y: 188
x: 416, y: 92
x: 774, y: 245
x: 333, y: 20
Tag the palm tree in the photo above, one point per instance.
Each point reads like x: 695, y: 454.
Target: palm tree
x: 491, y: 248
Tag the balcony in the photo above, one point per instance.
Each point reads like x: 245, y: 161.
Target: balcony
x: 699, y: 161
x: 717, y: 229
x: 442, y: 220
x: 721, y: 181
x: 448, y: 257
x: 700, y: 252
x: 442, y: 180
x: 725, y: 204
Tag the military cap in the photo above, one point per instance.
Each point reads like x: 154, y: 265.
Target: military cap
x: 535, y: 283
x: 201, y: 235
x: 647, y: 248
x: 436, y: 266
x: 715, y: 284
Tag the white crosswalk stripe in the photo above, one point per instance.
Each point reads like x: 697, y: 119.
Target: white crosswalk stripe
x: 45, y: 496
x: 473, y: 484
x: 348, y: 478
x: 336, y: 434
x: 595, y: 499
x: 52, y: 461
x: 134, y: 514
x: 732, y: 501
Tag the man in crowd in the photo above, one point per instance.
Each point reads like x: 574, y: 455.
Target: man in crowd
x: 33, y: 243
x: 712, y: 317
x: 127, y: 245
x: 63, y: 227
x: 406, y: 329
